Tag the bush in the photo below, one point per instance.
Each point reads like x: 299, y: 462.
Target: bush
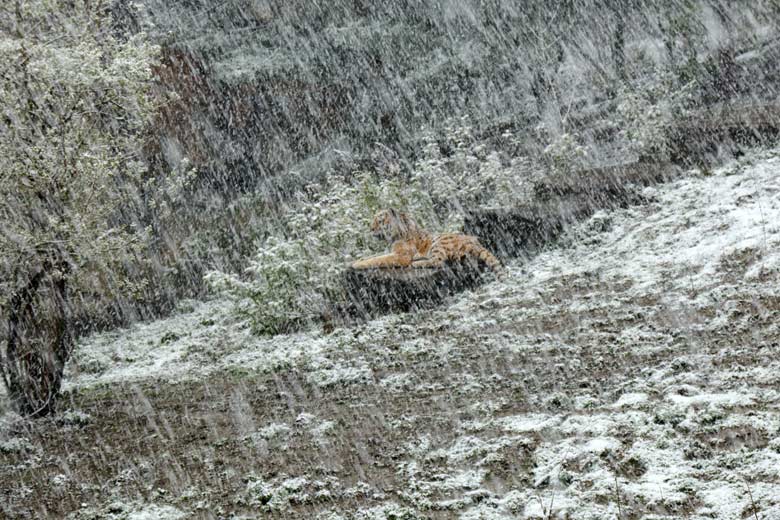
x: 460, y: 171
x: 647, y: 109
x: 563, y: 154
x: 295, y: 270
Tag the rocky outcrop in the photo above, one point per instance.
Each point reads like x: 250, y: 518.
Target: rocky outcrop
x: 559, y: 201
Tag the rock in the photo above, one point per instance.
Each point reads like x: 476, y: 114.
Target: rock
x: 730, y: 128
x: 560, y: 201
x: 368, y: 292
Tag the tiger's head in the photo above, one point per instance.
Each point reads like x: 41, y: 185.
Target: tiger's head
x: 392, y: 225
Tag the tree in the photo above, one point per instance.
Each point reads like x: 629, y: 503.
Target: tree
x: 74, y: 101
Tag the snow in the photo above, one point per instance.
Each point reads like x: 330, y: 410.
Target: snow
x: 529, y: 423
x: 727, y: 400
x: 631, y: 399
x: 122, y: 511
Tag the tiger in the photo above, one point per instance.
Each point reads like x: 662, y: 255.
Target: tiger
x: 412, y: 246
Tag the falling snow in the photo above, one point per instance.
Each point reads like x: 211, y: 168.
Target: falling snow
x: 668, y: 400
x: 185, y: 183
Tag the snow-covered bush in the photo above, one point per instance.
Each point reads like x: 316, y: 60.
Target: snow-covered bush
x: 461, y: 171
x: 563, y: 154
x: 295, y: 270
x: 646, y: 110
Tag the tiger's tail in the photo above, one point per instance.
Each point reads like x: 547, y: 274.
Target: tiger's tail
x: 479, y: 252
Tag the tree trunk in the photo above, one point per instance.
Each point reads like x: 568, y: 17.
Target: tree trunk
x: 619, y: 48
x: 39, y: 342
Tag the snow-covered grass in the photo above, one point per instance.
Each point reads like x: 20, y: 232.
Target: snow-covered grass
x: 124, y: 511
x: 628, y: 372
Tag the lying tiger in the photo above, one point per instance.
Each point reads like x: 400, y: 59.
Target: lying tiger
x: 412, y: 246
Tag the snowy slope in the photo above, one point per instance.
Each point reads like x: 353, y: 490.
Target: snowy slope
x: 631, y: 371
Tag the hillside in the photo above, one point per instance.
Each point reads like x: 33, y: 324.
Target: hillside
x: 628, y: 371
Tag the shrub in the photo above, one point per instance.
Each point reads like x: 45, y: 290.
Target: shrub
x: 563, y: 154
x: 647, y: 109
x: 461, y: 171
x: 296, y: 268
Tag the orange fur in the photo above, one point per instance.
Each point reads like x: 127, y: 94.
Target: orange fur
x: 412, y: 246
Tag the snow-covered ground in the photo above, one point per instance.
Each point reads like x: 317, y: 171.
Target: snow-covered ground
x: 680, y: 247
x: 630, y: 371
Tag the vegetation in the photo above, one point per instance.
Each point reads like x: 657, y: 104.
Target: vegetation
x: 647, y: 109
x: 295, y: 272
x: 75, y: 99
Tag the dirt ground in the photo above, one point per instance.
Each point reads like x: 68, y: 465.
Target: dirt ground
x: 189, y: 444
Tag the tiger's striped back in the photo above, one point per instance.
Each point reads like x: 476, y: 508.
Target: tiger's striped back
x: 457, y: 247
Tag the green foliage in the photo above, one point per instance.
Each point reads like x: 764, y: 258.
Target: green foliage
x: 563, y: 154
x: 295, y: 270
x: 683, y: 33
x: 76, y: 102
x: 460, y: 171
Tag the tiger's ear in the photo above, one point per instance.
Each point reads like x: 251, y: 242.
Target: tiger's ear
x: 407, y: 220
x: 393, y: 212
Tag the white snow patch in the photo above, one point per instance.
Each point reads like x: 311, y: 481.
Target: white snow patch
x: 631, y: 399
x: 529, y: 423
x: 153, y: 512
x: 724, y: 400
x: 602, y: 445
x: 122, y: 511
